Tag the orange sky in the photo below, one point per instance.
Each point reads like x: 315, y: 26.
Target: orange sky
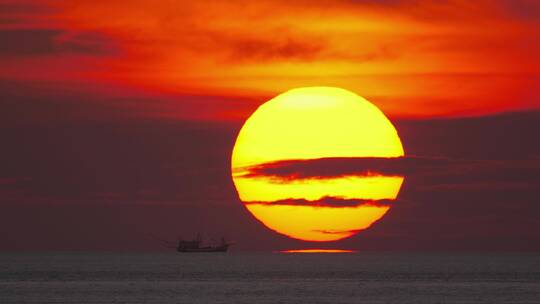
x: 411, y: 58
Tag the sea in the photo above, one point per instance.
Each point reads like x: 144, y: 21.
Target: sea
x: 269, y: 277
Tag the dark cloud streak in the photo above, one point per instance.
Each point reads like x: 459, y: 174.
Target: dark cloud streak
x: 34, y: 42
x: 327, y: 201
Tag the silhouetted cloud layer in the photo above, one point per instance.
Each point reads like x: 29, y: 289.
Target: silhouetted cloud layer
x: 327, y: 201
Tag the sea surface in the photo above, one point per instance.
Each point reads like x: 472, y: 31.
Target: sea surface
x: 268, y: 278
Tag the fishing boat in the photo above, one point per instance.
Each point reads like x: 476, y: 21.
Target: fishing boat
x: 195, y: 245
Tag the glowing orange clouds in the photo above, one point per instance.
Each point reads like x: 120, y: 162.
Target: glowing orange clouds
x: 314, y: 123
x: 411, y: 58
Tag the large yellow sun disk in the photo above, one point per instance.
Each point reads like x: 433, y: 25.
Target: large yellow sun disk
x: 314, y: 123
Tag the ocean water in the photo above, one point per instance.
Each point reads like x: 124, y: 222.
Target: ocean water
x: 269, y: 278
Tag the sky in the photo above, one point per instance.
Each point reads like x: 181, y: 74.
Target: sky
x: 118, y: 118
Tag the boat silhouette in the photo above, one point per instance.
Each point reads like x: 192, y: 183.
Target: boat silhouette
x: 195, y: 245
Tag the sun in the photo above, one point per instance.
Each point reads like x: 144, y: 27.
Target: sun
x: 309, y: 124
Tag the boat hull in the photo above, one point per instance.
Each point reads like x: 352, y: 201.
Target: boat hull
x: 205, y: 249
